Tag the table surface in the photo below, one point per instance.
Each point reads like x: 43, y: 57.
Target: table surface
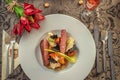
x: 109, y: 12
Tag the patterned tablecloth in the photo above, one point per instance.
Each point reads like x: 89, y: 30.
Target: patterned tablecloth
x: 109, y: 11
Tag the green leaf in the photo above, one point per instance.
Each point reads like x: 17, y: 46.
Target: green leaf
x: 19, y: 11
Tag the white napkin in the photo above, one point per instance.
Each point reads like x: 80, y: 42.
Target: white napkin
x: 5, y: 36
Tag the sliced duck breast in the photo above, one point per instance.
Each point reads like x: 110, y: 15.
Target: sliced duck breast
x: 44, y: 45
x: 63, y: 41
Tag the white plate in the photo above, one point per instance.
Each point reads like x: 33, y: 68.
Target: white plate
x: 28, y: 48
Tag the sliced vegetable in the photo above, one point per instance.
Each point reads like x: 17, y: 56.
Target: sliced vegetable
x: 72, y: 49
x: 56, y: 48
x: 54, y: 36
x: 57, y: 40
x: 50, y: 34
x: 51, y: 42
x: 62, y: 60
x: 52, y: 60
x: 54, y: 56
x: 54, y: 65
x: 72, y: 53
x: 70, y: 59
x: 70, y: 43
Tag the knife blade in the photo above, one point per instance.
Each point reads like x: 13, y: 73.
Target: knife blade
x: 110, y: 52
x: 96, y: 38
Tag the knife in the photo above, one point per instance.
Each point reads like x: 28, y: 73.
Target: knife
x: 110, y: 52
x: 12, y: 56
x: 96, y: 38
x: 7, y: 56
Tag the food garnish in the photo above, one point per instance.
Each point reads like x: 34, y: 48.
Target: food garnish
x: 70, y: 43
x: 70, y: 59
x: 58, y: 50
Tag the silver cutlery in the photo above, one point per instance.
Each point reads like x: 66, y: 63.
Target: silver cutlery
x: 96, y: 38
x: 12, y: 55
x: 104, y: 37
x: 110, y: 51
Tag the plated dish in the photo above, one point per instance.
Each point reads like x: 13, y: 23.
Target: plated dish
x: 58, y: 50
x: 31, y: 57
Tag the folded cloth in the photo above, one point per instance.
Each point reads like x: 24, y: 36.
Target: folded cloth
x: 6, y: 36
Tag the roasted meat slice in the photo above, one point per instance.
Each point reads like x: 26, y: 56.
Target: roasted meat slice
x: 63, y: 41
x: 44, y: 45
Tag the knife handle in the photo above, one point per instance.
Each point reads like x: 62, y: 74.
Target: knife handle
x: 97, y: 62
x: 110, y: 50
x: 112, y: 69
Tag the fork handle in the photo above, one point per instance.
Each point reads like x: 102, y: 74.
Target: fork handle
x: 104, y: 57
x: 112, y: 69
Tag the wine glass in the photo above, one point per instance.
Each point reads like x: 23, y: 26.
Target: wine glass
x: 89, y: 12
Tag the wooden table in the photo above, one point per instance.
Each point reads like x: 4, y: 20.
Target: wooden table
x: 109, y: 11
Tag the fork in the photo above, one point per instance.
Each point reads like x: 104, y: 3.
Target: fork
x: 104, y: 37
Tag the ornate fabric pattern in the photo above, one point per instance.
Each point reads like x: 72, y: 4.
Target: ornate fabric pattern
x: 109, y: 12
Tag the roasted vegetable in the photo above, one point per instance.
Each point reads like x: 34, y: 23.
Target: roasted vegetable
x: 70, y: 43
x: 71, y: 53
x: 54, y: 56
x: 57, y: 40
x: 72, y: 49
x: 56, y: 48
x: 62, y: 60
x: 53, y: 36
x: 70, y: 59
x: 51, y: 42
x: 54, y: 65
x: 52, y: 60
